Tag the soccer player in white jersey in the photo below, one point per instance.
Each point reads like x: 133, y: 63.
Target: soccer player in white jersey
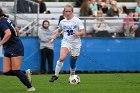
x: 72, y: 28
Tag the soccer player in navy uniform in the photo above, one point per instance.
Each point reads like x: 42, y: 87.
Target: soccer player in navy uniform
x: 13, y: 51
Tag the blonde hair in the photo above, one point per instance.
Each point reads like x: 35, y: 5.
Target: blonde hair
x: 68, y: 6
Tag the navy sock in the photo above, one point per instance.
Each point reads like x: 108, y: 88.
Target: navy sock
x: 73, y: 62
x: 23, y: 71
x: 22, y: 78
x: 9, y: 73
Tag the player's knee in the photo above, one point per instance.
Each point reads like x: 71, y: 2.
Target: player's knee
x: 62, y: 58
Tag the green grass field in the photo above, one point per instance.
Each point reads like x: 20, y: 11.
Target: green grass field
x: 90, y: 83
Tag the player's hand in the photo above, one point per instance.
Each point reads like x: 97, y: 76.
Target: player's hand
x: 0, y: 44
x: 75, y: 33
x: 51, y: 41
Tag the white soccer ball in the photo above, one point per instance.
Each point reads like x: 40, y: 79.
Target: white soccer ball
x: 74, y: 79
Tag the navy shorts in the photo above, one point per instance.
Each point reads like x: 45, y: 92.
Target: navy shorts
x: 14, y: 50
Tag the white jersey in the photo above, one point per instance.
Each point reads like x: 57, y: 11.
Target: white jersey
x: 68, y: 27
x: 73, y: 43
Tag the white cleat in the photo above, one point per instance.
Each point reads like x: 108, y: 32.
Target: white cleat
x: 31, y: 89
x: 28, y: 74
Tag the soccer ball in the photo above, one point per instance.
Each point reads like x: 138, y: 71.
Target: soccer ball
x: 74, y: 79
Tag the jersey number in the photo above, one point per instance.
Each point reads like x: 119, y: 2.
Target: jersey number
x: 70, y: 32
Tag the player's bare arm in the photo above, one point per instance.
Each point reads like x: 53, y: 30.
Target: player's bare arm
x: 17, y: 30
x: 81, y: 33
x: 57, y: 33
x: 6, y: 37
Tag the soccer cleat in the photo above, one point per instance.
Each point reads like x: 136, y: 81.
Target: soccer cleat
x: 28, y: 74
x: 53, y: 78
x: 31, y: 89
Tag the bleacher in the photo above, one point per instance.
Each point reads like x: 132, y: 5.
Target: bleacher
x: 56, y: 9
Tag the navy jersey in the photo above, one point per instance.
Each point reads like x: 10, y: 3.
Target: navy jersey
x: 7, y: 24
x: 14, y: 43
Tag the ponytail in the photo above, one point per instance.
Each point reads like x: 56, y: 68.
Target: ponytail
x: 2, y: 14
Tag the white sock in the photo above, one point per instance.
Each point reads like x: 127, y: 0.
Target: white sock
x: 58, y: 67
x: 72, y: 71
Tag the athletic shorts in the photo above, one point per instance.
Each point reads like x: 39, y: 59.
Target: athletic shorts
x: 74, y: 48
x: 14, y: 50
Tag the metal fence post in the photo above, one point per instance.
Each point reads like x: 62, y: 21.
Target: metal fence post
x: 15, y: 12
x: 38, y: 8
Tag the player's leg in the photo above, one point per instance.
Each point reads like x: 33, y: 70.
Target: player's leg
x: 74, y: 54
x: 63, y: 53
x: 73, y: 65
x: 16, y: 63
x: 7, y: 66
